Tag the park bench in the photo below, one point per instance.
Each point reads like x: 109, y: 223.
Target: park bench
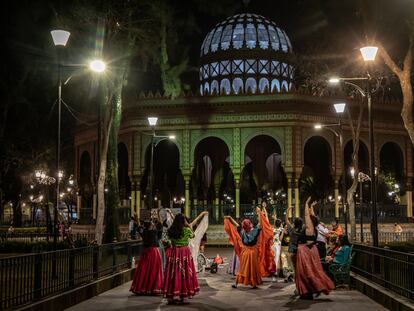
x: 341, y: 272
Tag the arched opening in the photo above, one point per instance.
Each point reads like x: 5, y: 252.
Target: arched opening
x: 124, y: 183
x: 212, y: 169
x: 263, y: 175
x: 86, y: 187
x: 391, y: 173
x: 275, y: 87
x: 214, y: 87
x: 225, y: 87
x: 263, y: 85
x: 167, y: 176
x: 237, y: 86
x: 316, y: 179
x: 251, y: 85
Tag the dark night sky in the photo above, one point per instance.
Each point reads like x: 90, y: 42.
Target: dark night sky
x: 326, y: 30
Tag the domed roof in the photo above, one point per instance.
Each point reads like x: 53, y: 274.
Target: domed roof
x: 246, y: 53
x: 249, y: 31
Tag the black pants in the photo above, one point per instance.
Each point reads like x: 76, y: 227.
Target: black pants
x: 321, y: 249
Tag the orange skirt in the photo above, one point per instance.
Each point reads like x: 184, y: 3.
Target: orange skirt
x: 249, y: 272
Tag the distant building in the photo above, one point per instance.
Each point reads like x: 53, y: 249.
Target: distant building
x: 247, y: 134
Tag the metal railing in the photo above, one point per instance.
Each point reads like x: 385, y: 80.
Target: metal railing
x: 29, y: 278
x: 390, y: 269
x: 387, y: 237
x: 35, y: 237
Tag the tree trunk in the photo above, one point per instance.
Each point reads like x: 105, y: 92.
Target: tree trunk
x: 113, y: 202
x: 407, y: 109
x: 99, y: 229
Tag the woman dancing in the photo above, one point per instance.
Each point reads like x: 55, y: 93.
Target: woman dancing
x: 201, y: 223
x: 148, y: 278
x: 277, y: 243
x: 180, y: 275
x: 309, y: 277
x: 252, y: 246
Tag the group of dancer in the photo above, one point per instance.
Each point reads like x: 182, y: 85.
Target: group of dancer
x: 172, y: 243
x: 258, y: 250
x: 167, y: 264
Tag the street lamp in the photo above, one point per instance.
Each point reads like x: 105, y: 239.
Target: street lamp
x: 60, y: 39
x: 155, y: 139
x: 368, y: 54
x: 339, y: 109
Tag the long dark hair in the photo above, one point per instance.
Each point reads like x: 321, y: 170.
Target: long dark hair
x: 176, y: 229
x: 343, y: 240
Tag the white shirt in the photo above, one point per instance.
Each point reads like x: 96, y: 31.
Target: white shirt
x: 322, y: 233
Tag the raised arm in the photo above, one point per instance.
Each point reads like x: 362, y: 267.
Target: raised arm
x: 259, y: 220
x: 195, y: 221
x: 287, y: 216
x: 309, y: 228
x: 232, y: 220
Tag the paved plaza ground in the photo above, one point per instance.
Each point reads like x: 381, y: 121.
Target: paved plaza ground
x: 217, y: 294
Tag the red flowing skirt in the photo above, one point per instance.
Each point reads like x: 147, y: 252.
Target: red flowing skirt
x: 309, y: 275
x: 148, y: 278
x: 180, y: 274
x: 249, y: 270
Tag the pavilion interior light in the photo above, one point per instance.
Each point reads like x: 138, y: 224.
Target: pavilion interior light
x: 340, y: 107
x: 152, y: 121
x: 317, y: 126
x: 369, y: 53
x: 171, y: 137
x: 334, y: 80
x: 60, y: 37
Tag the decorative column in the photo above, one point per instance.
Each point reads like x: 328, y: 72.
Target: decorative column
x: 297, y: 199
x: 78, y: 205
x: 237, y: 181
x: 336, y: 194
x: 289, y: 194
x: 133, y: 197
x: 217, y: 206
x: 187, y: 195
x: 409, y: 196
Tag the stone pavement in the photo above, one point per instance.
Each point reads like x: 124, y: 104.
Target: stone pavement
x: 216, y: 294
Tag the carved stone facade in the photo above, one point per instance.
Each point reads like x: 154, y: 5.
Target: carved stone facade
x: 286, y: 118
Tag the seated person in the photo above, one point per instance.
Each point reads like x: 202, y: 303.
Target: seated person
x: 332, y: 246
x: 341, y: 255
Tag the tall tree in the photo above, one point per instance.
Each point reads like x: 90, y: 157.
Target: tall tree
x: 404, y: 75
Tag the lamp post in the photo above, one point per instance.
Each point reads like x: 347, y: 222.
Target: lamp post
x: 60, y: 38
x: 339, y: 109
x: 368, y: 54
x: 155, y: 139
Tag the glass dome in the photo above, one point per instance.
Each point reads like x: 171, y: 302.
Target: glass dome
x: 245, y: 54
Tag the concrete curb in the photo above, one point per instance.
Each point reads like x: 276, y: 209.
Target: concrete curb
x: 79, y: 294
x: 381, y: 295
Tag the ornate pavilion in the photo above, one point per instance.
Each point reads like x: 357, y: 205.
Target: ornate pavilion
x: 247, y: 134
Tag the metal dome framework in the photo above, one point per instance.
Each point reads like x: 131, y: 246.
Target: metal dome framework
x: 245, y: 54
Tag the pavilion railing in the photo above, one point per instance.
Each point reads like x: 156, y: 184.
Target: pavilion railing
x: 37, y: 236
x: 32, y: 277
x: 389, y: 269
x: 387, y: 237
